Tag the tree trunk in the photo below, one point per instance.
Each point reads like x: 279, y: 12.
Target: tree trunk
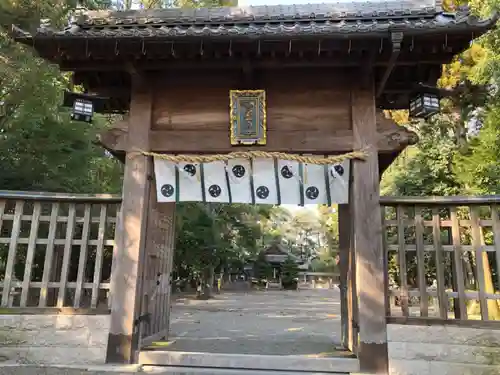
x: 471, y: 276
x: 207, y: 283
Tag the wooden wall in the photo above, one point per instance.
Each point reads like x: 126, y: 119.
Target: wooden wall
x: 305, y: 113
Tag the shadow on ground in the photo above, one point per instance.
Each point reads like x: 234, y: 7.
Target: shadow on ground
x: 305, y: 322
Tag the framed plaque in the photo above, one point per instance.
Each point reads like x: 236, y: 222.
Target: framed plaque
x: 248, y: 117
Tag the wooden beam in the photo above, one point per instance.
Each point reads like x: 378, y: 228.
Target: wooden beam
x: 128, y: 258
x: 116, y: 138
x: 396, y: 39
x: 369, y: 259
x: 439, y: 322
x: 215, y: 141
x: 236, y: 64
x: 367, y: 66
x: 248, y: 72
x: 457, y: 200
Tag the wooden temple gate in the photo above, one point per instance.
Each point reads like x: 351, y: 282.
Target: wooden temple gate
x: 326, y: 71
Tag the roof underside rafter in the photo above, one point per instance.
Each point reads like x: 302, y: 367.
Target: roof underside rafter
x: 101, y: 46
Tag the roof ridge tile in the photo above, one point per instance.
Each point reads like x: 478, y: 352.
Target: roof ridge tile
x: 318, y: 20
x: 293, y: 11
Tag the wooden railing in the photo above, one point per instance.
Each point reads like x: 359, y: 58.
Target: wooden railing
x: 443, y: 254
x: 443, y: 258
x: 56, y: 249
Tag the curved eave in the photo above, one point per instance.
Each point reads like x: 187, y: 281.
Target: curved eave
x: 313, y: 30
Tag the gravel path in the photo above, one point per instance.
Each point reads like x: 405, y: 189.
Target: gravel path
x: 305, y: 322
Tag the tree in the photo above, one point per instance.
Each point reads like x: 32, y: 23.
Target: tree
x: 289, y: 274
x: 214, y: 238
x: 325, y: 261
x: 479, y: 170
x: 262, y: 268
x: 459, y: 148
x: 429, y: 169
x: 42, y: 148
x: 300, y: 232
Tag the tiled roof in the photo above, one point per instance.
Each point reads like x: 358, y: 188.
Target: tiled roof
x: 306, y: 12
x: 340, y: 19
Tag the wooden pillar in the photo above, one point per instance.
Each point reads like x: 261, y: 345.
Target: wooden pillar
x: 367, y: 235
x: 130, y: 251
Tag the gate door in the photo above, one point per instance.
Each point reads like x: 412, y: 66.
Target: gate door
x: 154, y: 318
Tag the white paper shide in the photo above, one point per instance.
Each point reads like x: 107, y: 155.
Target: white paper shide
x: 255, y: 181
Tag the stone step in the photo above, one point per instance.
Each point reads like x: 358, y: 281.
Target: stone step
x: 276, y: 363
x: 157, y: 370
x: 19, y: 369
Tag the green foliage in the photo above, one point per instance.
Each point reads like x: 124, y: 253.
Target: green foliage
x: 479, y: 169
x: 325, y: 261
x: 459, y: 149
x: 302, y: 232
x: 429, y: 171
x: 216, y: 236
x: 455, y: 154
x: 42, y: 149
x: 325, y: 258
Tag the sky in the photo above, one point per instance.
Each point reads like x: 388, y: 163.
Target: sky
x: 293, y: 207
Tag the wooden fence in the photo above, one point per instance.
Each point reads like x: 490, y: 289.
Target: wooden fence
x: 443, y: 258
x: 56, y: 253
x: 56, y: 249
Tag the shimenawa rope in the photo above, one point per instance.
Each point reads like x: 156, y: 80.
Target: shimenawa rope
x: 334, y: 159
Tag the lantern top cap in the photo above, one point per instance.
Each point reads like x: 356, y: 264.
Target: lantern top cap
x: 257, y: 22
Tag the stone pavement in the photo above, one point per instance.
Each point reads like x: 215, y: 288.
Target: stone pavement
x: 304, y: 322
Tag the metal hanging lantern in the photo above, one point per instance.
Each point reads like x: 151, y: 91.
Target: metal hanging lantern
x: 83, y: 110
x: 424, y: 105
x: 84, y: 106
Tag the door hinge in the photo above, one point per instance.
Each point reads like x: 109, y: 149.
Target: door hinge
x: 143, y: 318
